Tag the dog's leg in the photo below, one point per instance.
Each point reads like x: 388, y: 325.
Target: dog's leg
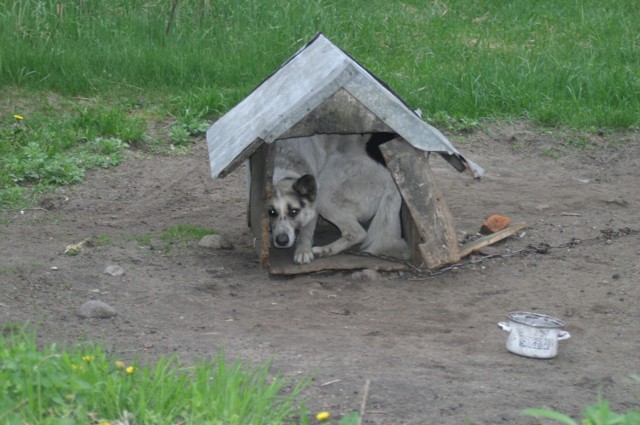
x: 352, y: 233
x: 384, y: 235
x: 304, y: 253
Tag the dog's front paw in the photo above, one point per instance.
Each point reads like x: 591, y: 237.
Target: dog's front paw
x: 320, y: 251
x: 302, y: 257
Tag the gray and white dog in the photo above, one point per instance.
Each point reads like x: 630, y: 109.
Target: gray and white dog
x: 336, y: 177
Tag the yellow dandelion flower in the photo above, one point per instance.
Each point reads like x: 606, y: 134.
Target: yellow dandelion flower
x: 120, y: 364
x: 322, y: 416
x: 18, y: 117
x: 88, y: 359
x: 130, y: 370
x: 103, y: 422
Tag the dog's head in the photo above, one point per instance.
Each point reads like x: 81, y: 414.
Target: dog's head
x: 291, y: 207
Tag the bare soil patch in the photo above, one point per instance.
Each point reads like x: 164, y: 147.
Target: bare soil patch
x: 430, y: 347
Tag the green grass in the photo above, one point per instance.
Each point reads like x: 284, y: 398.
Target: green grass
x: 599, y: 413
x: 182, y: 234
x: 570, y: 63
x: 172, y: 236
x: 49, y: 385
x: 53, y: 147
x: 88, y: 77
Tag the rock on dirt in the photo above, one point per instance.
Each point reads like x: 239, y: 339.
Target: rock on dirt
x: 96, y: 309
x: 366, y: 275
x: 215, y: 242
x: 114, y: 270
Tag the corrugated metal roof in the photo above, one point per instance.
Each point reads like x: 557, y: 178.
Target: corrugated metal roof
x: 308, y: 80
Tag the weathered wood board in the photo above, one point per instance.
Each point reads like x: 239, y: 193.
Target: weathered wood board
x: 487, y: 240
x: 281, y: 264
x: 281, y: 260
x: 428, y: 209
x: 319, y: 74
x: 339, y: 114
x: 261, y: 172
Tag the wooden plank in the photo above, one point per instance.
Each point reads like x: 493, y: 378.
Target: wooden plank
x: 237, y: 161
x: 411, y: 236
x: 281, y: 263
x: 431, y: 217
x: 490, y: 239
x: 281, y: 260
x: 261, y: 168
x: 392, y: 110
x: 339, y: 114
x: 300, y: 86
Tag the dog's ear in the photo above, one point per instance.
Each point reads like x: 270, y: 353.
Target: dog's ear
x: 306, y: 187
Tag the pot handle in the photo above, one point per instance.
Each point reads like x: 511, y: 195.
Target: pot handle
x: 562, y: 335
x: 505, y: 327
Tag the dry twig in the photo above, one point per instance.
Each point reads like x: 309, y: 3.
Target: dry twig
x: 363, y: 404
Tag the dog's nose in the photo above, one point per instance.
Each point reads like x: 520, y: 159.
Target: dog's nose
x: 282, y: 239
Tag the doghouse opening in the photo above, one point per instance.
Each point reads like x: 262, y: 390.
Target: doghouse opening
x: 280, y: 261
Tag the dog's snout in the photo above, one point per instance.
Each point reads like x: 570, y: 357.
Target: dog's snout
x: 282, y: 239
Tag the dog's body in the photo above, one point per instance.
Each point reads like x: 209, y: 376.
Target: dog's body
x: 333, y: 176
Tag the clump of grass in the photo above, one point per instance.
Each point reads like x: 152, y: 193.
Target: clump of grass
x: 458, y: 124
x: 184, y: 233
x: 49, y: 385
x: 180, y: 234
x: 179, y: 135
x: 50, y: 149
x: 599, y: 413
x: 145, y: 240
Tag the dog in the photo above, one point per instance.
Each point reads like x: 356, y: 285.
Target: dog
x: 342, y: 179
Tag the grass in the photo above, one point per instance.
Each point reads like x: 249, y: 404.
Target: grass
x: 51, y: 148
x: 172, y: 237
x: 88, y: 77
x: 558, y: 63
x: 599, y: 413
x: 83, y: 384
x: 49, y: 385
x: 182, y: 234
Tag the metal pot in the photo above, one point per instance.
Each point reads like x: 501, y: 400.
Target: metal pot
x: 533, y: 335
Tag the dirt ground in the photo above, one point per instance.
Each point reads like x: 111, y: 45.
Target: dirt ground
x: 431, y: 347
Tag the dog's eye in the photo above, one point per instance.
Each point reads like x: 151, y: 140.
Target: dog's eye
x: 293, y: 212
x: 272, y: 212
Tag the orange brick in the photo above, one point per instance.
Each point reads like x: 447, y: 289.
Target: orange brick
x: 494, y: 224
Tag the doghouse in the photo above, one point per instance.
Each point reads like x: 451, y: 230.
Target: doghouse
x: 322, y: 90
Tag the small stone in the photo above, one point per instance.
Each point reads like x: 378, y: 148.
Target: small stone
x: 615, y: 276
x: 366, y: 274
x: 620, y: 201
x: 96, y: 309
x: 114, y: 270
x: 215, y: 242
x: 219, y: 272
